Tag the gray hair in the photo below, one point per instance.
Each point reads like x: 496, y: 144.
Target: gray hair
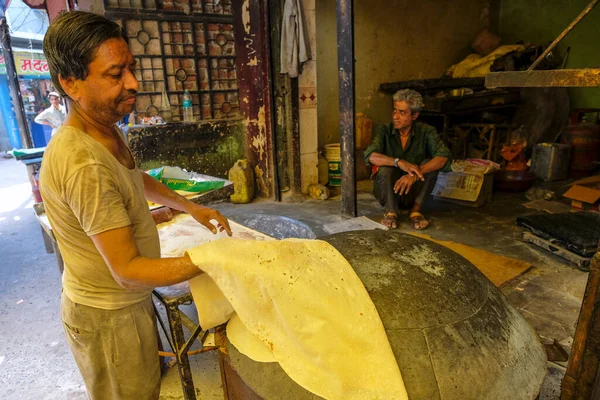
x: 413, y: 98
x: 71, y: 42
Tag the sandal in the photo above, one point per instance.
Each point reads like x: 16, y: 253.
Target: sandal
x: 390, y: 220
x: 418, y: 221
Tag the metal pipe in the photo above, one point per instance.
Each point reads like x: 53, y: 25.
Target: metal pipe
x: 13, y: 84
x: 345, y: 32
x: 563, y: 34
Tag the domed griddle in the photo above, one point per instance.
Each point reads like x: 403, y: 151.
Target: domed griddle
x: 453, y: 333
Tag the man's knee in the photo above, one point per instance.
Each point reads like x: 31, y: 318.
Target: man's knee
x: 387, y: 174
x: 432, y: 176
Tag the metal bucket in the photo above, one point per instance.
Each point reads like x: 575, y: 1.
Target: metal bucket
x: 550, y: 161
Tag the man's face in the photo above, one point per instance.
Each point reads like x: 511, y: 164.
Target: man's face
x: 55, y: 101
x: 108, y: 93
x: 402, y: 116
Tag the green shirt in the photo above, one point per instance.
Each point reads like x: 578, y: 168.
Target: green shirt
x: 423, y: 144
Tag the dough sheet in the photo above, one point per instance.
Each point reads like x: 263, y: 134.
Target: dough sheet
x: 299, y: 303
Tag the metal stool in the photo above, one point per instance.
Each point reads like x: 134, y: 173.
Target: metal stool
x: 172, y: 297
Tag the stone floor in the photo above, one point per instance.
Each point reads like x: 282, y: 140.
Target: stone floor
x: 35, y: 361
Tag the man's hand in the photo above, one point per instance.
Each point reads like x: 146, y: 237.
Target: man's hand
x: 404, y: 184
x: 204, y: 215
x: 411, y: 169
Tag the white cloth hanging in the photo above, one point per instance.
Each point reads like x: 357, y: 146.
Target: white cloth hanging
x: 295, y: 45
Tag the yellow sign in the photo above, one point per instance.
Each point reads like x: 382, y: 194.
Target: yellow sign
x: 28, y: 64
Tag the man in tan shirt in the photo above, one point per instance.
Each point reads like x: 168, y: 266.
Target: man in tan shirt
x: 95, y: 199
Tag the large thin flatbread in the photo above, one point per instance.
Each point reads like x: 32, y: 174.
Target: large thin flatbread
x: 246, y: 342
x: 212, y: 306
x: 305, y: 302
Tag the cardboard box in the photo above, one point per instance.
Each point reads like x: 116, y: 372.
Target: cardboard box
x: 585, y: 194
x: 473, y: 190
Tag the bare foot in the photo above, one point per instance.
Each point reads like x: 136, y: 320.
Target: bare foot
x: 418, y: 221
x: 390, y: 220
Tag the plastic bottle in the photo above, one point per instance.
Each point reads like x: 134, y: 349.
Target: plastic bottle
x: 188, y: 111
x: 165, y: 106
x: 132, y: 119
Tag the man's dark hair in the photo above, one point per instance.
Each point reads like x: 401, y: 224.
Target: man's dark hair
x: 71, y: 42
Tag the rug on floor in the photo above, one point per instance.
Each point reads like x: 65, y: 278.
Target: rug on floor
x: 498, y: 269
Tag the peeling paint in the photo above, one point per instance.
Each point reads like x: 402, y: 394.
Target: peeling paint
x: 253, y: 62
x: 249, y: 43
x: 259, y: 142
x: 246, y: 16
x: 260, y: 180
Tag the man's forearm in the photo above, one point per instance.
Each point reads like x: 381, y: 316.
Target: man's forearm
x: 43, y: 122
x: 435, y: 164
x: 158, y: 193
x: 381, y: 160
x: 156, y: 272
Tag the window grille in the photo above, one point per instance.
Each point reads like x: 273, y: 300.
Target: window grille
x: 181, y: 49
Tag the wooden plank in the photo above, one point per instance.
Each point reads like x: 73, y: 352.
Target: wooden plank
x: 564, y: 33
x: 552, y: 78
x: 424, y: 85
x: 580, y: 378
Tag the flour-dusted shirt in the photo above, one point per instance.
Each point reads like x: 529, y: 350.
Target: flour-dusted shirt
x: 53, y: 116
x: 295, y: 45
x: 86, y: 191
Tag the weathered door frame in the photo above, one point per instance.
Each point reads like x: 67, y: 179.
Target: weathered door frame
x: 286, y: 113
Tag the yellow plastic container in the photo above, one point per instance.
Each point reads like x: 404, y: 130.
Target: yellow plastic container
x: 243, y: 182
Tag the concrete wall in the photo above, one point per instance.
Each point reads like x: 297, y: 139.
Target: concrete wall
x: 541, y: 21
x: 307, y: 103
x: 394, y: 40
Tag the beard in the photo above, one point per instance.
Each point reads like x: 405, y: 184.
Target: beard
x: 122, y: 107
x: 111, y: 111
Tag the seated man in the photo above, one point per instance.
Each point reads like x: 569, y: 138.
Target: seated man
x: 408, y: 155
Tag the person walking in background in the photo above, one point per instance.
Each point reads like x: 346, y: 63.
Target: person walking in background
x: 53, y: 116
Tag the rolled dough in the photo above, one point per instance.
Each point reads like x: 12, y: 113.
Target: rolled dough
x: 304, y: 302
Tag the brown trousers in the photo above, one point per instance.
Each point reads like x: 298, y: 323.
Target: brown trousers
x: 116, y: 350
